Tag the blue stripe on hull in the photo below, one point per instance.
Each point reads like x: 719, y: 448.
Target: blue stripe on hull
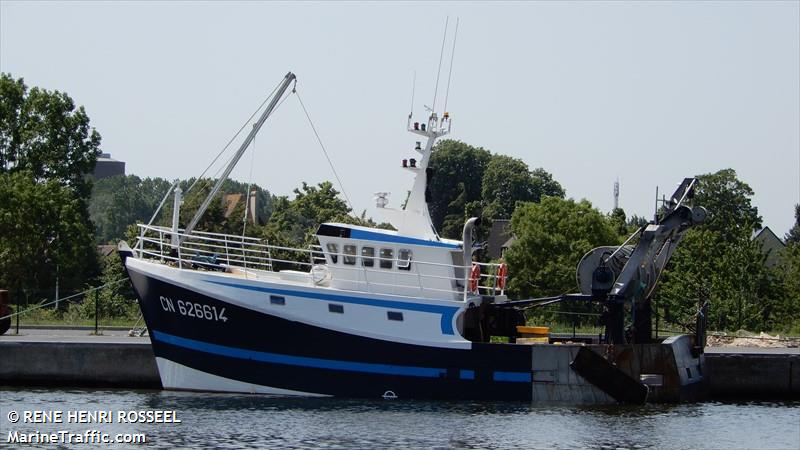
x: 447, y: 312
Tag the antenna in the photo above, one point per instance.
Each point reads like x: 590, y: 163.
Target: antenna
x: 450, y: 74
x: 413, y: 88
x: 441, y: 55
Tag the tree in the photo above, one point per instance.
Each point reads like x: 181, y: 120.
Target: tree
x: 793, y: 236
x: 619, y: 221
x: 719, y: 262
x: 727, y: 199
x: 45, y: 235
x: 122, y: 200
x: 43, y: 134
x: 508, y: 180
x: 294, y: 222
x: 789, y: 271
x: 551, y: 238
x: 46, y: 150
x: 457, y: 173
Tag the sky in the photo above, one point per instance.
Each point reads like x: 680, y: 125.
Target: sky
x: 644, y: 92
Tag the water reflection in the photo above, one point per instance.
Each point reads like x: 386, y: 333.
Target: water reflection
x: 248, y: 421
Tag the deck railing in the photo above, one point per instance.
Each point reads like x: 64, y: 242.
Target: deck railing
x: 253, y: 256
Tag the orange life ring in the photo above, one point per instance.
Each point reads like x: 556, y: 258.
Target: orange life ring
x: 474, y: 277
x: 502, y: 274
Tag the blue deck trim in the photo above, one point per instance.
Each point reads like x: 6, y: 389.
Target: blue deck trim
x: 513, y: 377
x: 395, y: 239
x: 447, y: 312
x: 303, y: 361
x: 466, y: 374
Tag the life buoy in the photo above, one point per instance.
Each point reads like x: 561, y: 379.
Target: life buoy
x: 502, y: 275
x: 474, y: 277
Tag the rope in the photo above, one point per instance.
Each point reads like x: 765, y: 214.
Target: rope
x: 64, y: 299
x: 341, y: 186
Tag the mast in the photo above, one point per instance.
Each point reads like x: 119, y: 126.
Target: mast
x: 278, y: 95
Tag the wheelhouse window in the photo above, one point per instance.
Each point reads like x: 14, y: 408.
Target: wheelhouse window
x: 387, y: 256
x: 404, y: 259
x: 367, y: 256
x: 333, y: 252
x: 349, y: 254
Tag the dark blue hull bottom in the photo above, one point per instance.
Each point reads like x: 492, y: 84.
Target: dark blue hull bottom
x: 265, y: 350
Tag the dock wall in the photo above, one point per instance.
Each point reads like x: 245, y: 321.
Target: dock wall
x: 129, y: 365
x: 753, y: 375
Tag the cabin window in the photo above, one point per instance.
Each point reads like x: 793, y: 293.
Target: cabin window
x: 387, y: 256
x: 334, y: 308
x: 394, y: 315
x: 367, y: 256
x: 404, y: 259
x: 277, y: 300
x: 333, y: 251
x: 349, y: 254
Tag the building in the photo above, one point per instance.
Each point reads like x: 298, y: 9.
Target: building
x: 107, y: 167
x: 771, y: 246
x: 500, y: 238
x: 233, y: 200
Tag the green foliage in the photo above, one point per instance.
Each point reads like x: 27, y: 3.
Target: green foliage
x: 46, y: 233
x: 457, y: 173
x: 294, y: 222
x: 43, y: 134
x: 793, y: 236
x: 115, y: 301
x: 719, y: 262
x: 508, y: 180
x: 619, y: 221
x: 551, y: 238
x: 46, y: 150
x: 732, y: 216
x: 122, y: 200
x: 789, y: 272
x: 471, y: 182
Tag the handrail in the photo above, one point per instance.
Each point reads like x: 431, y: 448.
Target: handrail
x: 217, y: 251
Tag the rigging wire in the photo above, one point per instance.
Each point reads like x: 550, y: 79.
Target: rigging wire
x: 341, y: 186
x: 234, y: 137
x: 220, y: 168
x: 450, y: 73
x: 439, y: 72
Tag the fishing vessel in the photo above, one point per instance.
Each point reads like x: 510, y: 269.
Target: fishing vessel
x: 399, y: 313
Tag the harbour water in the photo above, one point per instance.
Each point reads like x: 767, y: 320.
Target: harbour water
x: 242, y: 421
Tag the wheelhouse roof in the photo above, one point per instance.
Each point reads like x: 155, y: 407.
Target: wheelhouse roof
x: 347, y: 231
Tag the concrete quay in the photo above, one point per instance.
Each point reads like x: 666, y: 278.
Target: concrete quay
x: 75, y: 357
